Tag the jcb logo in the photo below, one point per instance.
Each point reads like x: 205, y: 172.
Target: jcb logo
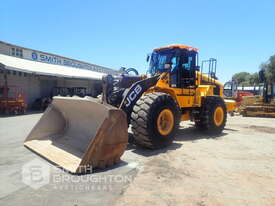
x: 132, y: 96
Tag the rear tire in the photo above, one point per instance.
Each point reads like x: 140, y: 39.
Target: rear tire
x: 155, y: 120
x: 213, y: 115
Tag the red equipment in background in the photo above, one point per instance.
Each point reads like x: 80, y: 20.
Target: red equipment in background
x: 240, y: 95
x: 231, y: 92
x: 12, y: 100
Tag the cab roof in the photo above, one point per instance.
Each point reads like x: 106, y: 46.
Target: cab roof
x: 177, y: 46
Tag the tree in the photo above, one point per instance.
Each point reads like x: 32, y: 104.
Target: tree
x: 241, y: 77
x: 269, y: 68
x: 254, y: 78
x: 247, y: 79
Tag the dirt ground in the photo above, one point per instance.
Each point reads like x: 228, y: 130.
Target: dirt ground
x: 236, y: 168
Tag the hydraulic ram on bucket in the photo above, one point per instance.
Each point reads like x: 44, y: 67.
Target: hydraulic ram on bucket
x: 76, y: 133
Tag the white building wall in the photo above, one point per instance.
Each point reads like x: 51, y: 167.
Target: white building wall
x: 42, y: 86
x: 33, y: 90
x: 4, y: 49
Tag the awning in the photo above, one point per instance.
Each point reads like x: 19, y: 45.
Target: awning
x: 39, y: 68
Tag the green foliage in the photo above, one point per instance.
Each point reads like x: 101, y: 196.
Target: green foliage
x: 269, y: 68
x: 247, y: 79
x: 254, y: 78
x: 244, y: 78
x: 240, y: 77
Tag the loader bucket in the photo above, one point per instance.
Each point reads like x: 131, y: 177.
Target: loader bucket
x: 77, y: 133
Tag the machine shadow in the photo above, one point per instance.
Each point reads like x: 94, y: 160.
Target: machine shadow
x: 100, y: 170
x: 229, y: 129
x: 183, y: 135
x: 192, y: 134
x: 149, y: 152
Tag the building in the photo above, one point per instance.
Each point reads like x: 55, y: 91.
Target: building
x: 40, y: 73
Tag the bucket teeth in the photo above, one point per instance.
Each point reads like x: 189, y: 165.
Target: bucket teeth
x: 77, y: 132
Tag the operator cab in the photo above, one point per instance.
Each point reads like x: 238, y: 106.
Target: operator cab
x: 230, y: 88
x: 178, y: 60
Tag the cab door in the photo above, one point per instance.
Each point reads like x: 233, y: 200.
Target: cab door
x: 183, y: 78
x: 183, y: 70
x: 188, y: 69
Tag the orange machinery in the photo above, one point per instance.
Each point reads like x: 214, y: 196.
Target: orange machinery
x: 12, y: 100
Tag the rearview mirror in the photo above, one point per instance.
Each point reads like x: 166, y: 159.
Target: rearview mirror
x: 148, y: 57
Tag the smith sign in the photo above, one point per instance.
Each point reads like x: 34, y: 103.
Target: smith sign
x: 65, y: 62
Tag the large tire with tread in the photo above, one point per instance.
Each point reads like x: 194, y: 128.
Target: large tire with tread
x: 149, y: 120
x: 213, y: 115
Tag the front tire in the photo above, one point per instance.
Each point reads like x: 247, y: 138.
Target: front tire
x: 155, y: 120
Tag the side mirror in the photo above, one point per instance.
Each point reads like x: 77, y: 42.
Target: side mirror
x: 148, y: 58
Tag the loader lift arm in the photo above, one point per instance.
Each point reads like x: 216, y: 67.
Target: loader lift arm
x: 130, y: 96
x: 135, y: 92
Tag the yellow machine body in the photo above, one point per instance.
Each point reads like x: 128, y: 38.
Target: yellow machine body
x: 191, y: 97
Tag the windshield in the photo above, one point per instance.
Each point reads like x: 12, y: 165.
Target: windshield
x: 159, y: 59
x: 228, y: 86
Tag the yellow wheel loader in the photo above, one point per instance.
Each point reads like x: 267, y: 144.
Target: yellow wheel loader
x: 76, y: 133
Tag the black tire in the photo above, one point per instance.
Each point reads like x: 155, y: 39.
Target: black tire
x: 205, y: 120
x: 144, y: 120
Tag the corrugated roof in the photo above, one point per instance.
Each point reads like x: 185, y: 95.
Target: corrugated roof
x: 29, y: 66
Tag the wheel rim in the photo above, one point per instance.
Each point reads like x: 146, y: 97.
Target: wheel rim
x: 165, y: 122
x: 218, y: 116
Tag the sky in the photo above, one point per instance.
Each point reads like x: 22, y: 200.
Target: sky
x: 239, y: 34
